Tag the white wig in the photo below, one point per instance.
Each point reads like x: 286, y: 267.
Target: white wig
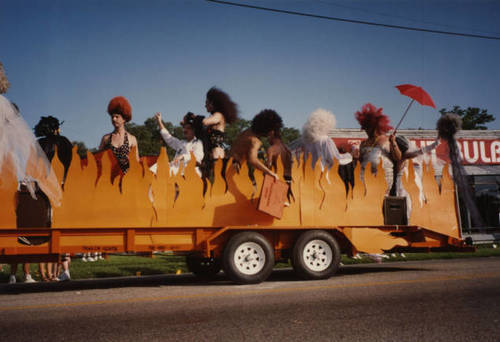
x: 318, y: 125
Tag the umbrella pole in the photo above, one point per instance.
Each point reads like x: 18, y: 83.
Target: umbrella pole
x: 406, y: 111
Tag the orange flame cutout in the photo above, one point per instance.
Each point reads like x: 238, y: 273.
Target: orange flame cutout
x: 90, y: 200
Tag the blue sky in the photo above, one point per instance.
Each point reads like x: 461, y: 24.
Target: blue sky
x: 68, y: 58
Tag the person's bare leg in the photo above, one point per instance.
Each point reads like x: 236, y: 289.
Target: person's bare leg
x: 43, y: 271
x: 13, y: 271
x: 27, y: 275
x: 65, y: 275
x: 50, y: 273
x: 54, y: 270
x: 66, y: 263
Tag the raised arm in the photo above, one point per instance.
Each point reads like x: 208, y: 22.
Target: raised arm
x: 158, y: 120
x: 169, y: 139
x: 425, y: 149
x: 331, y: 150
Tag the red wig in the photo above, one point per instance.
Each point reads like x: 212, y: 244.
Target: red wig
x: 371, y: 117
x: 120, y: 105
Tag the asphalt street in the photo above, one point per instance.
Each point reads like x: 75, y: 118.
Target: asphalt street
x: 442, y: 300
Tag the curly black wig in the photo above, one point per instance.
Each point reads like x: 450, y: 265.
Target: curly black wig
x: 223, y: 104
x: 266, y: 121
x: 47, y: 126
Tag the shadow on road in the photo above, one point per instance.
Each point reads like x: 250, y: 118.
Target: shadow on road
x: 284, y: 274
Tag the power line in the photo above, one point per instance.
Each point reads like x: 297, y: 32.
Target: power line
x: 398, y: 16
x: 469, y: 35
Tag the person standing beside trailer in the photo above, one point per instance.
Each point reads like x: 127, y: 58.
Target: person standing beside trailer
x: 49, y: 129
x: 17, y: 145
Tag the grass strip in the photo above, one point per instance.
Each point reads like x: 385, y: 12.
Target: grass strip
x: 131, y: 265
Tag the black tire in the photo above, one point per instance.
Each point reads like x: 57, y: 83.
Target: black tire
x: 203, y: 268
x: 248, y: 258
x: 316, y: 255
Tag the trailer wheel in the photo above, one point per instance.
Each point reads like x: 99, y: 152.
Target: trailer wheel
x: 203, y: 268
x: 248, y: 258
x: 316, y: 255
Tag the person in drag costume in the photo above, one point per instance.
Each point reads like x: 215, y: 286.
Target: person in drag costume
x: 120, y: 142
x: 18, y: 144
x: 222, y: 111
x: 21, y: 154
x: 392, y: 151
x: 318, y: 144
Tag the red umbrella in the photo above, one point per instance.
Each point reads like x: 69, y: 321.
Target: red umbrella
x: 416, y: 94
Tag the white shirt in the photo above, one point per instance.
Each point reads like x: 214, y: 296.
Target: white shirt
x: 183, y: 151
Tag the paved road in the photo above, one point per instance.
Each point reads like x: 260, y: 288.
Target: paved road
x: 451, y: 300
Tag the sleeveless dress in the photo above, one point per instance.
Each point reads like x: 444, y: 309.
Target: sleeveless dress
x: 121, y: 153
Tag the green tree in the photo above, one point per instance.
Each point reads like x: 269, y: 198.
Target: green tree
x: 289, y: 134
x: 150, y: 141
x: 236, y: 128
x: 149, y: 138
x: 472, y: 117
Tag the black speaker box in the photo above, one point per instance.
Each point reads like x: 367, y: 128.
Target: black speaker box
x: 395, y: 211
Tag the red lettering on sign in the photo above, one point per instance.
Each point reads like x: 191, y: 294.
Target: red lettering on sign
x: 472, y: 151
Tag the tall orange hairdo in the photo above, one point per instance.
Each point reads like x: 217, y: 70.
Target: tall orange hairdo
x: 371, y: 116
x: 120, y: 105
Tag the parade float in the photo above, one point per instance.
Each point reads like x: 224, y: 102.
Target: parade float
x: 222, y: 227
